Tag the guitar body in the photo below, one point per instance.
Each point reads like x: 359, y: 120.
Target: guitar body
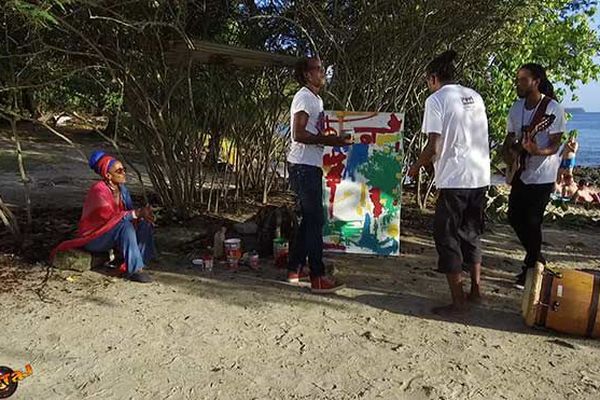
x: 513, y: 156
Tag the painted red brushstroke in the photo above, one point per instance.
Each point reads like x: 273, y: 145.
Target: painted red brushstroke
x: 334, y: 176
x: 394, y: 126
x: 332, y: 246
x: 366, y: 139
x: 375, y: 195
x: 328, y: 129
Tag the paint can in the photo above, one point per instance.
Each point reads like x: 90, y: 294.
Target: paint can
x: 281, y: 249
x: 347, y: 132
x: 208, y: 263
x: 253, y: 260
x: 233, y: 252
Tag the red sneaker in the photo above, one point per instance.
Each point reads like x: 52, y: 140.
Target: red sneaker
x: 297, y: 277
x: 325, y: 284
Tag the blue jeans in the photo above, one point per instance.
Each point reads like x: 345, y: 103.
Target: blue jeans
x: 306, y: 182
x: 136, y: 244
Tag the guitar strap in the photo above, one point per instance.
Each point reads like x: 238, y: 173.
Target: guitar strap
x: 540, y: 112
x: 537, y: 118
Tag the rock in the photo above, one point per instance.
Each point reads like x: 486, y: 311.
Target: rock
x: 563, y: 343
x: 63, y: 120
x: 73, y: 260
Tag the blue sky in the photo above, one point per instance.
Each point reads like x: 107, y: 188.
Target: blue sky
x: 589, y: 94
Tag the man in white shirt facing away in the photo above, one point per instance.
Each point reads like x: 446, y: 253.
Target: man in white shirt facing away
x: 305, y: 160
x: 456, y: 124
x: 531, y: 189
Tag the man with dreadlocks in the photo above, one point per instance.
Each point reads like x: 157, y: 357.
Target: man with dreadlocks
x: 456, y: 124
x: 532, y: 187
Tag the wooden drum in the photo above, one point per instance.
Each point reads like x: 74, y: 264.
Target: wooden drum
x: 562, y: 300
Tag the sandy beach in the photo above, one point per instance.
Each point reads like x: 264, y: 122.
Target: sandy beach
x: 247, y: 335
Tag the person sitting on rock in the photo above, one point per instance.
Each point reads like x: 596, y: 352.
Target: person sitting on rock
x: 586, y: 194
x: 569, y: 187
x: 109, y: 221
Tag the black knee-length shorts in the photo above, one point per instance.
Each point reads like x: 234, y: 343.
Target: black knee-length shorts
x: 458, y: 226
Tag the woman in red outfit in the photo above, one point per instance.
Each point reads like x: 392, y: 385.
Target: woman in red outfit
x: 109, y: 221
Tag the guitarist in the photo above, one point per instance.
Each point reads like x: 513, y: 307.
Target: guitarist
x: 533, y: 184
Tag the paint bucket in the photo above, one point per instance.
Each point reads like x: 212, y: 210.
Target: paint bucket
x: 233, y: 252
x: 253, y: 260
x: 208, y: 263
x: 347, y: 133
x: 280, y: 252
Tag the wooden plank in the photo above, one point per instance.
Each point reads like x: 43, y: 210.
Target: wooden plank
x: 215, y: 53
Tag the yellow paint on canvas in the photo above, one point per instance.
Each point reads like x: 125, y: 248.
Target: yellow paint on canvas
x: 366, y: 115
x: 387, y: 139
x: 393, y: 230
x: 362, y: 204
x: 345, y: 195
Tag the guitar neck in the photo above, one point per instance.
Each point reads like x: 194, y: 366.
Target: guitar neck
x: 533, y: 134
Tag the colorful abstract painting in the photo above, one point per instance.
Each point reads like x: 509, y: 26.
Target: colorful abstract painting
x: 362, y: 183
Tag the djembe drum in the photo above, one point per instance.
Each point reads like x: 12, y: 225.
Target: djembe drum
x: 562, y: 300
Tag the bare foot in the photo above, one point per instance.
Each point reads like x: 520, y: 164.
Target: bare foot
x: 450, y: 310
x: 474, y: 298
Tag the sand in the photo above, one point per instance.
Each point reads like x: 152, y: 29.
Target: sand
x: 248, y: 335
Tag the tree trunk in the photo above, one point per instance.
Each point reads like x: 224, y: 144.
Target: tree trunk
x: 22, y: 171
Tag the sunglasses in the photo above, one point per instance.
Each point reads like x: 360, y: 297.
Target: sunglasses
x: 523, y: 80
x: 120, y: 171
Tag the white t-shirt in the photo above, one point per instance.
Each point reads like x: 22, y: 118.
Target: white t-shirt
x: 462, y: 160
x: 538, y: 169
x: 312, y: 104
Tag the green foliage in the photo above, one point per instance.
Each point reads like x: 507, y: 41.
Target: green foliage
x: 574, y: 133
x: 37, y: 14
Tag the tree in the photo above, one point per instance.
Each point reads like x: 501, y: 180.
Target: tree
x: 110, y: 55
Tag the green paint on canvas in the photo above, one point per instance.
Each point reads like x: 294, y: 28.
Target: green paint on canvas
x: 351, y: 230
x: 345, y: 229
x: 391, y: 210
x: 382, y: 170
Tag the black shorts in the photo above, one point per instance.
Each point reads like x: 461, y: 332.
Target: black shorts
x: 458, y: 226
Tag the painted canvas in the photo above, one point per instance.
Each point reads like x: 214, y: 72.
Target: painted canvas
x: 362, y: 183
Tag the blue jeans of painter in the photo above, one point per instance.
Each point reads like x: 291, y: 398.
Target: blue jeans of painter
x: 306, y: 182
x: 135, y: 243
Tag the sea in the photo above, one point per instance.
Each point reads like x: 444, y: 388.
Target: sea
x: 588, y: 125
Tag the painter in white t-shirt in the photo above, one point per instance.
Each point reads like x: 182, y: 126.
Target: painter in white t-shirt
x: 538, y: 169
x: 312, y: 104
x: 457, y: 113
